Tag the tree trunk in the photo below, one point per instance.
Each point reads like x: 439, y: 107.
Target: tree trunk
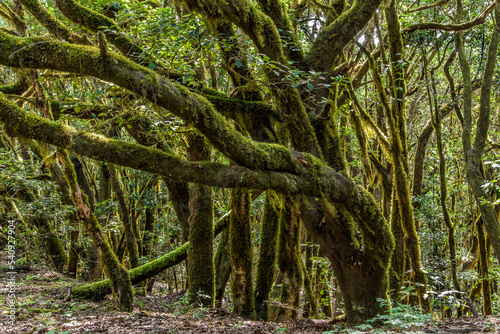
x: 241, y: 253
x: 222, y: 266
x: 201, y: 271
x: 289, y: 262
x: 267, y: 254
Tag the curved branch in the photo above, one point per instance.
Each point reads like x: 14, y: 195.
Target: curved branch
x: 453, y: 27
x: 53, y: 25
x: 96, y: 22
x: 425, y: 7
x: 332, y: 39
x: 314, y: 180
x: 193, y: 108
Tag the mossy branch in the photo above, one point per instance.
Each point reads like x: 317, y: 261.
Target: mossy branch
x: 53, y: 25
x: 147, y: 270
x: 333, y: 38
x: 193, y: 108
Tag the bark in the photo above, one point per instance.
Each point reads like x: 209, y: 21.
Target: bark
x: 241, y: 253
x: 222, y: 265
x: 267, y: 255
x: 201, y: 273
x: 289, y: 262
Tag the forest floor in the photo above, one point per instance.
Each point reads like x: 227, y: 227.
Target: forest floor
x: 41, y: 308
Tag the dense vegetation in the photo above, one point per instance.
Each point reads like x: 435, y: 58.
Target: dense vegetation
x: 323, y: 159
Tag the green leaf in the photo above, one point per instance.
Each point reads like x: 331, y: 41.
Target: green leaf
x: 310, y: 86
x: 152, y: 65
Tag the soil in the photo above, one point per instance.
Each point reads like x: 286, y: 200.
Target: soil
x: 42, y: 307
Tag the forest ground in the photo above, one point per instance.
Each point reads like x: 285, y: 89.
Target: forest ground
x: 41, y: 308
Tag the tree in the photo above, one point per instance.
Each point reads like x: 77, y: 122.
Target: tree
x: 283, y: 107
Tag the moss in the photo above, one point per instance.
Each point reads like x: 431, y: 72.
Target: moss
x: 201, y: 271
x: 267, y: 254
x: 289, y: 261
x: 241, y: 253
x: 147, y: 270
x: 222, y: 262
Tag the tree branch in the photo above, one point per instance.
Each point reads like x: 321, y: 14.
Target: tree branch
x: 193, y: 108
x: 333, y: 38
x: 453, y: 27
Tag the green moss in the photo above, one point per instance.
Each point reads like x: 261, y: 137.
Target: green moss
x: 267, y: 254
x: 147, y: 270
x: 241, y: 253
x: 289, y: 261
x: 201, y: 271
x: 222, y: 267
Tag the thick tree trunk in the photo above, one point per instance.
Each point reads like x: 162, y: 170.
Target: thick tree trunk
x: 362, y: 273
x: 201, y: 271
x: 241, y: 253
x: 289, y: 262
x: 267, y: 254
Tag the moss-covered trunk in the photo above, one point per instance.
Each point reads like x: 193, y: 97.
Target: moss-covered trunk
x: 201, y: 271
x: 289, y: 261
x: 267, y: 254
x: 241, y: 252
x: 484, y: 268
x: 222, y: 267
x: 361, y: 272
